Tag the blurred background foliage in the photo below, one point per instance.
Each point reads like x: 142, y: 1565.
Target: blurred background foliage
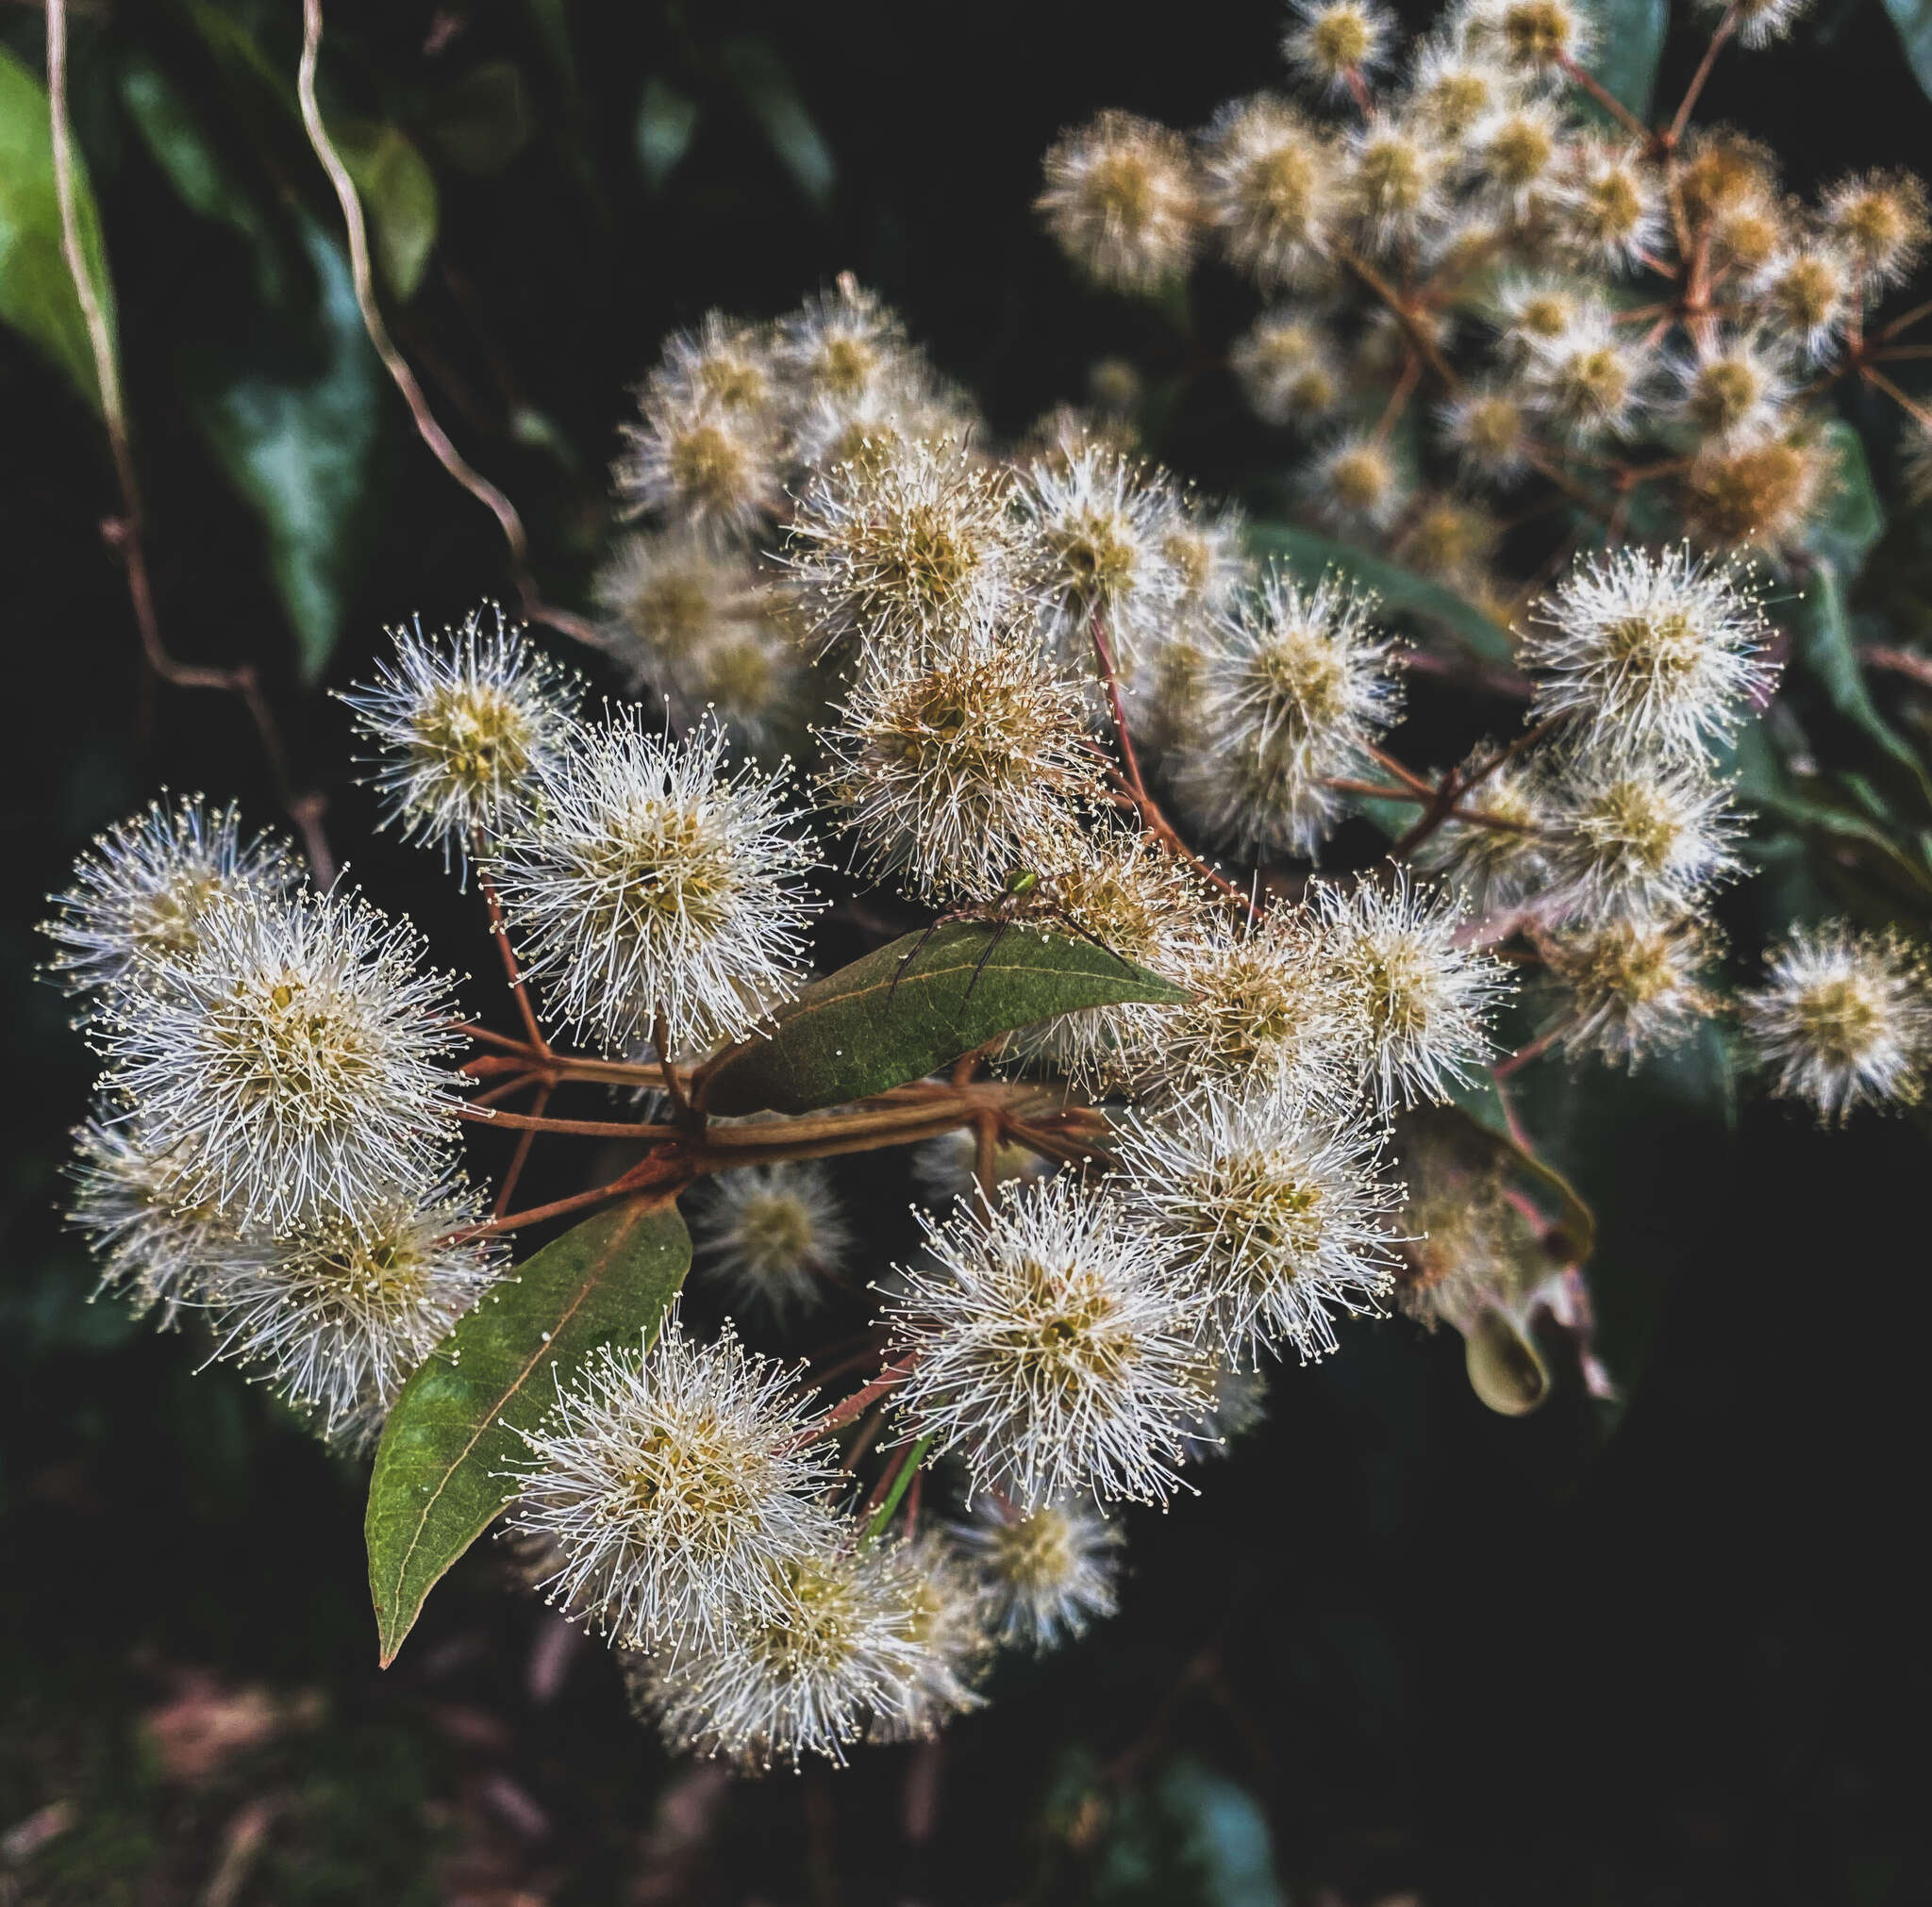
x: 1661, y: 1651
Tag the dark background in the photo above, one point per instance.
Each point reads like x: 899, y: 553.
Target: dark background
x: 1679, y: 1659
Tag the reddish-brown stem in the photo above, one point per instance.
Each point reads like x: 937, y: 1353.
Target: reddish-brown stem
x: 1604, y: 97
x: 499, y: 932
x: 1399, y: 395
x: 660, y: 1038
x: 1911, y: 407
x: 1905, y: 662
x: 579, y: 1129
x: 1358, y: 91
x: 663, y: 1170
x: 123, y: 535
x: 1726, y: 27
x: 861, y: 1400
x: 1903, y: 322
x: 428, y: 428
x: 1134, y: 786
x: 1504, y: 1069
x: 520, y: 1157
x: 1416, y: 784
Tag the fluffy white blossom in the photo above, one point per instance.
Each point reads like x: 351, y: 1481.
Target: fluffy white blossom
x: 464, y: 724
x: 1268, y: 186
x: 1641, y: 834
x: 947, y: 1615
x: 772, y: 1233
x: 336, y: 1314
x: 141, y: 892
x: 652, y: 883
x: 905, y: 549
x: 1297, y: 685
x: 1101, y: 523
x: 1842, y: 1019
x: 1633, y: 985
x: 1120, y: 197
x: 1663, y: 651
x: 158, y: 1246
x: 832, y: 1647
x: 291, y: 1061
x: 678, y: 1483
x: 1046, y: 1338
x: 961, y: 767
x: 1419, y: 1002
x: 1275, y: 1210
x: 1049, y: 1572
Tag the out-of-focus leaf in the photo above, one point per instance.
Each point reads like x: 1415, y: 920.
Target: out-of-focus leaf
x: 1824, y: 648
x: 37, y: 294
x: 1192, y: 1838
x: 1630, y: 41
x: 481, y: 122
x: 666, y: 121
x: 1505, y: 1370
x: 439, y: 1477
x: 399, y: 192
x: 191, y: 165
x: 1308, y: 554
x: 294, y: 423
x: 772, y: 98
x: 1855, y: 519
x: 1914, y: 19
x: 1480, y: 1101
x: 855, y: 1033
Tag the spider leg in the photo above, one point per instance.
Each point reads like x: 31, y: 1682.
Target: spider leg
x: 918, y: 948
x: 1073, y: 926
x: 999, y: 933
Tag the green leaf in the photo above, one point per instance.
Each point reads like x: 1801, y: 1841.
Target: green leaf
x: 399, y: 192
x: 37, y: 294
x: 1310, y: 554
x: 1914, y: 19
x: 1480, y: 1102
x: 854, y: 1032
x: 1630, y: 36
x: 772, y: 97
x: 437, y: 1483
x: 1505, y: 1370
x: 1856, y: 519
x: 295, y: 424
x: 666, y: 121
x: 201, y: 181
x: 1825, y: 651
x: 481, y: 122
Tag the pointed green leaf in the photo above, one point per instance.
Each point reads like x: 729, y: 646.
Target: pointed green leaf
x: 37, y: 294
x: 399, y: 192
x: 1630, y: 41
x: 854, y: 1034
x: 1310, y: 554
x: 294, y: 421
x: 1914, y: 19
x: 438, y: 1482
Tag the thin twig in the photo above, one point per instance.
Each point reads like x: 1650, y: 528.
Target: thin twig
x: 1725, y: 28
x: 123, y: 535
x: 431, y: 431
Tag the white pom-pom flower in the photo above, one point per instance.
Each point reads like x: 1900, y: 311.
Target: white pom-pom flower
x: 1049, y: 1572
x: 1276, y: 1211
x: 141, y: 892
x: 464, y: 725
x: 291, y: 1063
x: 770, y: 1235
x: 831, y: 1650
x: 1419, y: 1004
x: 1297, y: 685
x: 337, y: 1315
x: 1660, y: 650
x: 651, y: 885
x: 1047, y: 1340
x: 676, y: 1484
x: 1843, y: 1020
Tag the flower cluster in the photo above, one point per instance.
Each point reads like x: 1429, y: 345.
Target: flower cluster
x: 1034, y: 687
